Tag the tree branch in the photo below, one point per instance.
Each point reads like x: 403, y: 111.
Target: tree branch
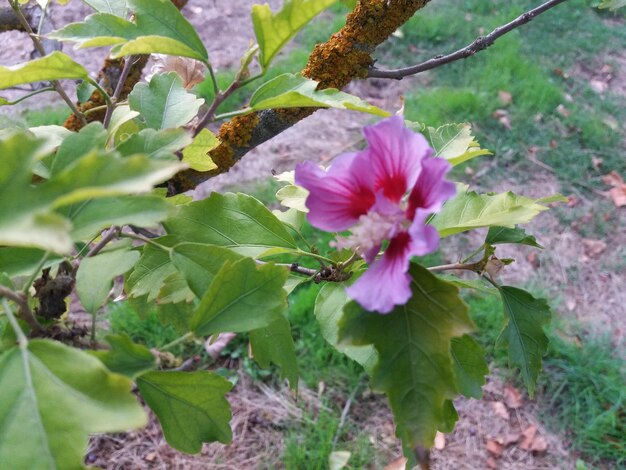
x: 481, y: 43
x: 345, y: 56
x: 25, y: 311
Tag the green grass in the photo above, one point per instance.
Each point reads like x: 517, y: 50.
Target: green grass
x: 580, y: 391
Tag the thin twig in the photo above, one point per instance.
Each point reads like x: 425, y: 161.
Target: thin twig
x: 220, y: 97
x: 128, y: 62
x: 345, y: 411
x: 25, y: 311
x: 481, y: 43
x: 475, y: 267
x: 55, y: 83
x: 106, y: 238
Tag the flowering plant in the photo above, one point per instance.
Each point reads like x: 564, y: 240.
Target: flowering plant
x: 367, y: 192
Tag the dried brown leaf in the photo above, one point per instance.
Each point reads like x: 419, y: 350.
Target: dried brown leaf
x: 500, y: 409
x: 494, y: 448
x: 513, y: 397
x: 593, y: 248
x: 440, y: 440
x: 528, y: 435
x: 505, y: 97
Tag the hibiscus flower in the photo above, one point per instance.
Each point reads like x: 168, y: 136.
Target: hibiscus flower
x: 383, y: 193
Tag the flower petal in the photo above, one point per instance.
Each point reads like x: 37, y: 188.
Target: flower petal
x: 431, y: 189
x: 424, y: 238
x: 386, y: 283
x: 337, y: 198
x: 395, y: 153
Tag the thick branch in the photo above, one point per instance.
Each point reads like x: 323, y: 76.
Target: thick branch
x: 481, y: 43
x: 344, y: 57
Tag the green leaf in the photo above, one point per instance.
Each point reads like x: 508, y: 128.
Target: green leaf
x: 55, y: 66
x: 498, y: 235
x: 190, y: 406
x: 177, y: 315
x: 197, y: 156
x: 151, y: 270
x: 242, y: 297
x: 523, y: 332
x: 469, y: 210
x: 274, y: 343
x: 200, y: 263
x: 74, y: 146
x: 115, y: 7
x: 84, y: 91
x: 159, y: 28
x: 94, y: 278
x: 98, y: 30
x: 156, y: 144
x: 329, y: 305
x: 164, y: 103
x: 470, y: 367
x: 295, y: 91
x: 612, y: 4
x: 175, y: 289
x: 126, y: 357
x: 455, y: 143
x: 415, y: 367
x: 235, y: 221
x: 51, y: 398
x: 294, y: 197
x: 273, y: 31
x: 18, y: 261
x: 90, y: 217
x: 98, y: 175
x: 476, y: 284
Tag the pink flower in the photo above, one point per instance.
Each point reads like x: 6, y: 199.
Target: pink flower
x: 367, y: 192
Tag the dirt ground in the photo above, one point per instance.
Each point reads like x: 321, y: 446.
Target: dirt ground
x: 594, y: 295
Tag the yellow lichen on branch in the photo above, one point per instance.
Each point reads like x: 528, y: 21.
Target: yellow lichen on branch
x: 334, y: 64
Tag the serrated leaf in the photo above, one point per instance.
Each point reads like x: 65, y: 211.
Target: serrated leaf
x: 235, y: 221
x: 273, y: 31
x: 175, y: 289
x: 274, y: 343
x: 114, y: 7
x: 159, y: 27
x: 156, y: 144
x: 164, y: 103
x: 476, y: 284
x: 126, y: 357
x: 242, y: 297
x: 415, y: 367
x: 55, y: 66
x: 99, y: 174
x: 190, y: 406
x: 92, y: 216
x: 468, y: 210
x: 151, y: 270
x: 196, y: 155
x: 329, y: 305
x: 523, y: 332
x: 18, y: 261
x: 51, y: 398
x: 294, y: 91
x: 499, y: 235
x: 455, y: 143
x: 470, y: 367
x: 77, y: 144
x: 200, y: 263
x: 176, y: 315
x: 94, y: 278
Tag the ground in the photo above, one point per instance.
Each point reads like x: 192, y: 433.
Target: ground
x: 586, y: 270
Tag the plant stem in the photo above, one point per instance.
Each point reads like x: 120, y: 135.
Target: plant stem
x: 106, y: 238
x: 36, y: 92
x: 474, y: 267
x: 55, y: 83
x: 21, y: 337
x: 21, y: 301
x: 481, y: 43
x: 182, y: 339
x: 128, y: 62
x: 136, y: 236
